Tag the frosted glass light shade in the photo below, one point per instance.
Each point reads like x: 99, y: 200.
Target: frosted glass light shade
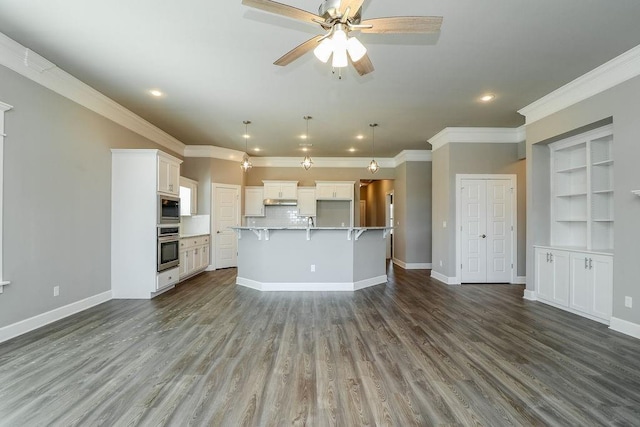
x: 339, y: 58
x: 324, y: 50
x: 356, y: 49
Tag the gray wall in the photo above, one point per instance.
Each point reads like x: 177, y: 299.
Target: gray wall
x: 57, y: 198
x: 621, y: 103
x: 473, y: 158
x: 207, y: 171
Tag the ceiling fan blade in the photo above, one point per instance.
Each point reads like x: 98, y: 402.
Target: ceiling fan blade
x: 298, y: 51
x: 403, y: 24
x: 282, y: 9
x: 353, y: 5
x: 364, y: 65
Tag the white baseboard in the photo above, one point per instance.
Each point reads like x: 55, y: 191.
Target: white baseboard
x: 35, y: 322
x: 625, y: 327
x: 412, y: 265
x: 210, y: 267
x: 530, y: 295
x: 444, y: 279
x: 520, y: 280
x: 311, y: 287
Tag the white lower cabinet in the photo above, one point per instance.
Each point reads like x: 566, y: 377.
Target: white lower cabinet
x: 194, y: 255
x: 552, y: 276
x: 581, y: 282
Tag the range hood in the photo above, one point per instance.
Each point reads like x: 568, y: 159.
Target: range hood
x: 280, y: 202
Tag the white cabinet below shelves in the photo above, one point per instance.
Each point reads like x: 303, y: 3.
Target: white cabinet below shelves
x: 578, y: 281
x: 194, y: 255
x: 334, y: 190
x: 307, y: 201
x: 168, y: 174
x: 280, y: 190
x: 254, y: 201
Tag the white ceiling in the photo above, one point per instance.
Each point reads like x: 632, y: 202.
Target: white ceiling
x: 214, y: 61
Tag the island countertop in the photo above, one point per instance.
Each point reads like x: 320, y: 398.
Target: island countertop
x: 265, y: 232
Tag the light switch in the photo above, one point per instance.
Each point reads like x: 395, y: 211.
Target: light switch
x: 444, y: 224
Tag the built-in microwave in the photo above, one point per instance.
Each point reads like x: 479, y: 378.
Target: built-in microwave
x: 168, y: 209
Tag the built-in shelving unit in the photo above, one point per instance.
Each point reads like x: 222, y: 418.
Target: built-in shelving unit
x: 582, y: 191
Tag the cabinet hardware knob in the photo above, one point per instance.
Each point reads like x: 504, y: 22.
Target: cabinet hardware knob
x: 590, y: 263
x: 551, y: 256
x: 586, y: 263
x: 483, y: 235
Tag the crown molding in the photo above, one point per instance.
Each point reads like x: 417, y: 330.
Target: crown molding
x: 606, y: 76
x: 321, y: 162
x: 38, y: 69
x: 213, y: 152
x: 477, y: 135
x: 413, y: 156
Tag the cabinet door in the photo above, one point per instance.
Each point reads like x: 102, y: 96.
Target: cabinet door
x: 184, y: 263
x: 163, y: 175
x: 174, y: 178
x: 307, y: 202
x: 325, y: 191
x: 343, y: 191
x: 272, y: 191
x: 253, y: 202
x: 289, y: 190
x: 601, y: 268
x: 581, y: 293
x: 204, y: 256
x: 561, y: 277
x: 544, y: 274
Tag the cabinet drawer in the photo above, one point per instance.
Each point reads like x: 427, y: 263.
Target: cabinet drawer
x: 167, y: 278
x: 191, y: 242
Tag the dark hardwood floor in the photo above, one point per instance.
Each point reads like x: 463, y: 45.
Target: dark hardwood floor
x: 412, y: 352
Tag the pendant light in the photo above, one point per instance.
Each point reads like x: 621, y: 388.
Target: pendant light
x: 307, y: 162
x: 373, y: 166
x: 246, y: 162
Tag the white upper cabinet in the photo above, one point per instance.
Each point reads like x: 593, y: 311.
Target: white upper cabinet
x: 334, y: 190
x: 281, y: 190
x: 253, y: 201
x: 307, y: 201
x: 168, y: 174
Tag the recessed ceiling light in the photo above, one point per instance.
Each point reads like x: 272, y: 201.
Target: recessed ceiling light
x: 303, y: 136
x: 352, y: 149
x: 305, y: 149
x: 156, y: 93
x: 246, y: 136
x: 488, y: 97
x: 360, y: 137
x: 256, y: 149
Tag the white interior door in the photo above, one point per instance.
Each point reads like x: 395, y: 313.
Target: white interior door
x: 226, y: 208
x: 474, y: 219
x: 486, y: 215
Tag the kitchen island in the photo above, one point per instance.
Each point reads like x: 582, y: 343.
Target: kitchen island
x: 311, y: 258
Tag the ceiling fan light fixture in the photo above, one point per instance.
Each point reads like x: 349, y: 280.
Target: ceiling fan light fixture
x: 356, y: 49
x: 324, y: 50
x: 340, y: 59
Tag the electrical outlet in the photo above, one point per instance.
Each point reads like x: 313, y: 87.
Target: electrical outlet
x: 440, y: 263
x: 628, y: 302
x: 444, y: 224
x: 313, y: 268
x: 56, y: 291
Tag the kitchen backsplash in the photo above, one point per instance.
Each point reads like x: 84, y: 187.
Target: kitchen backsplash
x: 278, y: 216
x: 196, y: 224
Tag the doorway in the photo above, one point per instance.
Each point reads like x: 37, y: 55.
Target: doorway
x: 486, y: 231
x: 225, y: 209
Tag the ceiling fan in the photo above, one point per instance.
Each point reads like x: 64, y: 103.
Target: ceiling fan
x: 338, y: 18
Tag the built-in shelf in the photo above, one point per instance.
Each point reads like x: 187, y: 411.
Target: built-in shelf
x: 572, y: 169
x: 3, y: 284
x: 582, y: 190
x: 636, y: 192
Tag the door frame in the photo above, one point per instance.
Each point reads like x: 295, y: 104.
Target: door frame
x: 514, y: 220
x: 212, y: 225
